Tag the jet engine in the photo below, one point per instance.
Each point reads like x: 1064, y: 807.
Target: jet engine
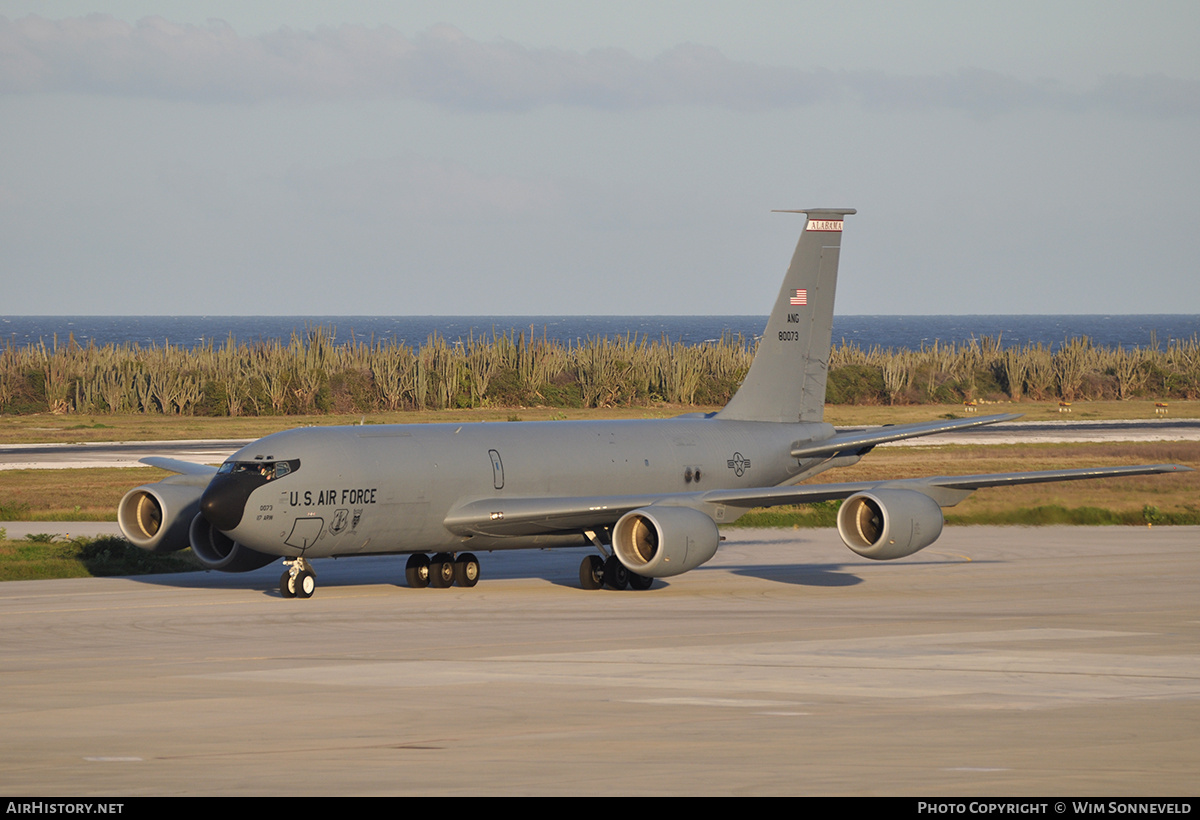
x: 886, y: 524
x: 216, y: 550
x: 657, y: 542
x: 156, y: 517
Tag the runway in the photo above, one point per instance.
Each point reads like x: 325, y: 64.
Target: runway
x: 113, y: 453
x: 1000, y: 661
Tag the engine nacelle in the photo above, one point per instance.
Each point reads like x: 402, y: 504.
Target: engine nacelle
x: 216, y: 550
x: 657, y: 542
x: 156, y: 517
x: 886, y: 524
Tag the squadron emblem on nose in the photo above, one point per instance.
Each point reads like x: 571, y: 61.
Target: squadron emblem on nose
x: 339, y: 522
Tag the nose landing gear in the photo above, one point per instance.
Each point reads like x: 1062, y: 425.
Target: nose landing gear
x: 299, y: 580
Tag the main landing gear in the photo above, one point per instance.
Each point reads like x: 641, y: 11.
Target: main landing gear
x: 596, y: 572
x: 606, y: 570
x: 442, y: 571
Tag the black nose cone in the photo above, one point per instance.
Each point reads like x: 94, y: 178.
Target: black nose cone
x: 224, y: 501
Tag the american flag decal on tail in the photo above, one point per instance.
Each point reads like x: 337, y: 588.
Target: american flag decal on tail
x: 800, y: 297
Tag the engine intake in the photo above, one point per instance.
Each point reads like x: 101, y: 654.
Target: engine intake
x: 887, y: 524
x: 657, y: 542
x: 156, y: 517
x: 216, y: 550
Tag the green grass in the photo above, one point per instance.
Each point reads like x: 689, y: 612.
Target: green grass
x: 14, y: 511
x: 41, y: 558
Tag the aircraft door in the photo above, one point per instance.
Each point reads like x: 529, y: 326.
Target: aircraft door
x: 497, y: 469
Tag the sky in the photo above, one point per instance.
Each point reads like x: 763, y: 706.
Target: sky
x: 537, y: 158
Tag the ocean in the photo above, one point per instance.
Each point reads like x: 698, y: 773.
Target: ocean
x: 910, y: 332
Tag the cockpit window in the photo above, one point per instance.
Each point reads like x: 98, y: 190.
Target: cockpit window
x: 265, y: 468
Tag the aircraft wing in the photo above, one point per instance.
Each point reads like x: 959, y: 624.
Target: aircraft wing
x: 540, y: 516
x: 174, y: 465
x: 945, y: 490
x: 863, y: 440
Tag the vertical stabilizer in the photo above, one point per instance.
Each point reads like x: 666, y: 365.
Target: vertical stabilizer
x: 786, y: 382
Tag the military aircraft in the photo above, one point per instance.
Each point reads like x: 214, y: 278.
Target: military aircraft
x: 649, y: 495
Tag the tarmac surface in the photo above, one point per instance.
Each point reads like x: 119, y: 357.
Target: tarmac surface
x: 1000, y: 661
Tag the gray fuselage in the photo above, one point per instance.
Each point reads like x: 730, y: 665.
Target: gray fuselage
x: 391, y: 488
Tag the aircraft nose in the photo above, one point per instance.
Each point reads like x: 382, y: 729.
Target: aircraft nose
x: 224, y: 500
